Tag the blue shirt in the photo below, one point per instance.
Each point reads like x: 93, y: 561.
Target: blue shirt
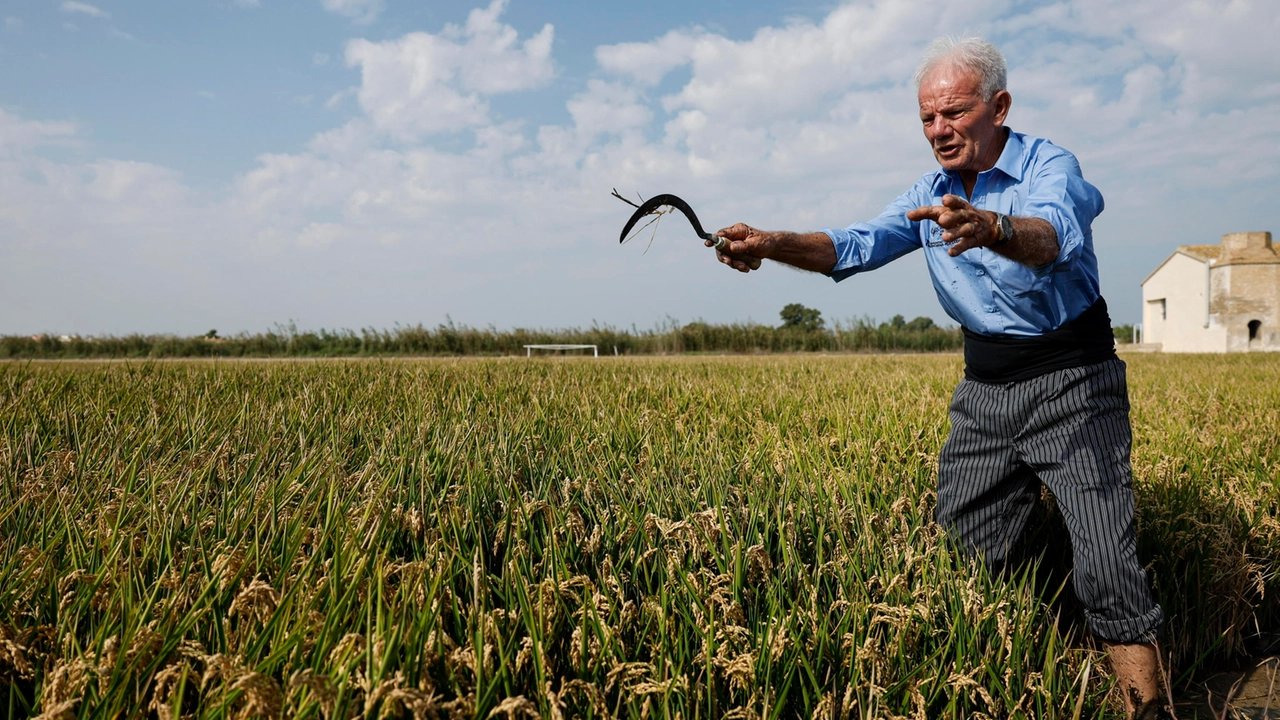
x: 981, y: 289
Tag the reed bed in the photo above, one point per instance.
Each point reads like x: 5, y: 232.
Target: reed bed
x: 555, y: 538
x: 669, y: 337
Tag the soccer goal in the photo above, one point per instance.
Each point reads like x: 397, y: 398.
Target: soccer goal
x: 528, y: 349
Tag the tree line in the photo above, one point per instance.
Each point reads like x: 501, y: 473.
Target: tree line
x: 802, y: 330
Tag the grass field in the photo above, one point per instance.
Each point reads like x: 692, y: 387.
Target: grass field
x: 687, y: 537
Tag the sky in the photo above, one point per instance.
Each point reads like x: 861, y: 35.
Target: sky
x: 173, y: 167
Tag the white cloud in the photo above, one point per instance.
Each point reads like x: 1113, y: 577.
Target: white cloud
x: 320, y: 59
x: 422, y: 84
x: 321, y: 235
x: 805, y: 125
x: 85, y: 9
x: 810, y: 124
x: 648, y: 62
x: 12, y: 22
x: 608, y: 108
x: 110, y: 181
x: 18, y: 136
x: 336, y: 99
x: 248, y: 3
x: 133, y: 207
x: 362, y: 11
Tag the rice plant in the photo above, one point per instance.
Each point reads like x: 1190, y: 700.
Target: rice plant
x: 632, y: 538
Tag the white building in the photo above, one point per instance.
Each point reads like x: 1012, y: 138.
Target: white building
x: 1215, y: 298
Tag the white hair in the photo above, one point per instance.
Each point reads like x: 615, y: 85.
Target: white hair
x: 969, y: 53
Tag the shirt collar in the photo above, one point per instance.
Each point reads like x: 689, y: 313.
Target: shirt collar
x: 1009, y: 163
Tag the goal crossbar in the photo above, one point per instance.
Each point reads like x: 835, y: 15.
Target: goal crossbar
x: 528, y: 349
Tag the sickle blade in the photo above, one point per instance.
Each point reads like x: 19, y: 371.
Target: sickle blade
x: 648, y: 206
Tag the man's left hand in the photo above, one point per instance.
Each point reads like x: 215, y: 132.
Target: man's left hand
x: 963, y: 224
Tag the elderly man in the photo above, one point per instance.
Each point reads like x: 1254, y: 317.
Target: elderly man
x: 1005, y: 228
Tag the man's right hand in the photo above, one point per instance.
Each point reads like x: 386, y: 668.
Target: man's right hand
x: 744, y: 240
x: 808, y: 251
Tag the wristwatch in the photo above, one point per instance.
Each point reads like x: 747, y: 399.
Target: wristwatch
x: 1004, y: 230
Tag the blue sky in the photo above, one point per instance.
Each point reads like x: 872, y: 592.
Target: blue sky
x: 175, y: 167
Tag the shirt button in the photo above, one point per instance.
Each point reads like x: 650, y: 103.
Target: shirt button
x: 981, y: 272
x: 989, y: 308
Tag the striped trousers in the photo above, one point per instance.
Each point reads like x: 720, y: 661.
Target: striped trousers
x: 1070, y: 430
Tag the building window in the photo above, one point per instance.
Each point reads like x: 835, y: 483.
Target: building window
x: 1254, y: 327
x: 1158, y: 306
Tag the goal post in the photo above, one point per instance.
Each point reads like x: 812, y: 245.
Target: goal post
x: 528, y: 349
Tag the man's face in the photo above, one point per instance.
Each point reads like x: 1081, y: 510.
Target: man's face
x: 965, y: 131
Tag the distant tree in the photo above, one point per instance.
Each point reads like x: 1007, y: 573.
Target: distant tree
x: 211, y: 335
x: 799, y: 317
x: 920, y: 324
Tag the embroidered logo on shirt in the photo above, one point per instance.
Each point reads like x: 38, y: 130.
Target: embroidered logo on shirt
x: 935, y: 236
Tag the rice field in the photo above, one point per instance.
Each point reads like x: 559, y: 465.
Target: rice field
x: 739, y: 537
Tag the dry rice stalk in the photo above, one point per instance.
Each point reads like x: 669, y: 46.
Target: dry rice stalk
x: 262, y: 696
x: 759, y: 564
x: 351, y: 645
x: 553, y: 702
x: 320, y: 686
x: 958, y: 682
x: 144, y: 647
x: 257, y: 600
x: 166, y: 682
x: 64, y: 690
x: 584, y: 688
x: 740, y: 671
x: 374, y: 696
x: 421, y: 704
x: 218, y: 667
x: 918, y: 705
x: 514, y: 707
x: 226, y: 568
x: 826, y: 708
x: 680, y: 683
x: 66, y: 586
x: 463, y: 708
x: 36, y: 572
x: 14, y: 662
x: 623, y: 674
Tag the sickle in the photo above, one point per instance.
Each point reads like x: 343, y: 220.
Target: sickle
x: 719, y: 243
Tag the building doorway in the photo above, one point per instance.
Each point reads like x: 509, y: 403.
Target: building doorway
x: 1254, y: 327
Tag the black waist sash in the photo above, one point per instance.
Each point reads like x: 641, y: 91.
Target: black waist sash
x: 1087, y: 340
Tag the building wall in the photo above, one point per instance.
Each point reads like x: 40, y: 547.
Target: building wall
x: 1245, y: 293
x: 1180, y: 284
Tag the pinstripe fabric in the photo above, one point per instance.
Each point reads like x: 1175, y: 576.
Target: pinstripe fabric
x: 1070, y: 430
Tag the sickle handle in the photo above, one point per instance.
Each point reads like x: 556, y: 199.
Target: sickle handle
x: 722, y: 245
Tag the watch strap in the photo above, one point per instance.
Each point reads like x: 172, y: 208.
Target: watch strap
x: 1004, y: 230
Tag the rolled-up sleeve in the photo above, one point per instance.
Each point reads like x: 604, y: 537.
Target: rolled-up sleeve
x: 1059, y: 194
x: 868, y: 245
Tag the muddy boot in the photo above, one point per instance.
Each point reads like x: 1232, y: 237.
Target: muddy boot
x: 1137, y: 670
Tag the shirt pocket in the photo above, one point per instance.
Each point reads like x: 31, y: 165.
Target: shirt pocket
x: 1017, y: 279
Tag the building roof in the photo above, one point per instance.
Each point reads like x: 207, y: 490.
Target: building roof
x: 1251, y: 256
x: 1220, y: 257
x: 1202, y: 253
